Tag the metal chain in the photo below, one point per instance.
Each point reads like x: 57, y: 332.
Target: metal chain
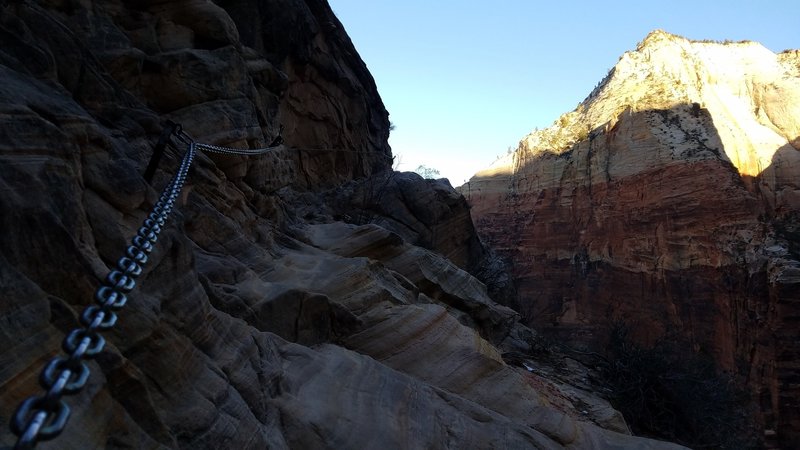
x: 182, y: 135
x: 43, y: 417
x: 234, y: 151
x: 261, y: 151
x: 186, y: 138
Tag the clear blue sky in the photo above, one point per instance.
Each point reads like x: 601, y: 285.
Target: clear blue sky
x: 464, y: 80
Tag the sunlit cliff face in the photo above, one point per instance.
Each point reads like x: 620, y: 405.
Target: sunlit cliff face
x: 752, y: 95
x: 667, y: 200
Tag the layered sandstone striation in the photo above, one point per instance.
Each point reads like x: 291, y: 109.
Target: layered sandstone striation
x: 290, y: 302
x: 669, y: 200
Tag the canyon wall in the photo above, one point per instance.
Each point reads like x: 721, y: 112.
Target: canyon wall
x: 668, y: 200
x: 289, y: 303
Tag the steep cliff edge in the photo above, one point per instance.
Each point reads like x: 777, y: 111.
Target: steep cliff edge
x: 669, y: 200
x: 285, y: 305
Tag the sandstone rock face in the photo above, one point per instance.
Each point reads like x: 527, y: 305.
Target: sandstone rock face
x: 427, y: 213
x: 668, y: 200
x: 263, y: 320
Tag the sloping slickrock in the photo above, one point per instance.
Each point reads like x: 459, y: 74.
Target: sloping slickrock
x: 432, y: 344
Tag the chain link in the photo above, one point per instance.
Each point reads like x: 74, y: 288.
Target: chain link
x: 44, y: 417
x: 234, y: 151
x: 183, y: 136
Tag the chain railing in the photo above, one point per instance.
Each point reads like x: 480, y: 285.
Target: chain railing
x: 43, y: 417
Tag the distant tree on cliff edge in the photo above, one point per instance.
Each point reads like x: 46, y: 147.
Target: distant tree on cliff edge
x: 665, y: 394
x: 427, y: 172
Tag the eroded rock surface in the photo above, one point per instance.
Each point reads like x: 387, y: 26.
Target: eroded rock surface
x: 263, y: 320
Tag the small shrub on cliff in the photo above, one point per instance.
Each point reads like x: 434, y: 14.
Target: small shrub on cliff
x: 664, y: 394
x: 427, y: 172
x: 494, y: 271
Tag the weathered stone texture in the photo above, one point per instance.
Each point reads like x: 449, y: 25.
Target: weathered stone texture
x: 263, y: 320
x: 667, y: 200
